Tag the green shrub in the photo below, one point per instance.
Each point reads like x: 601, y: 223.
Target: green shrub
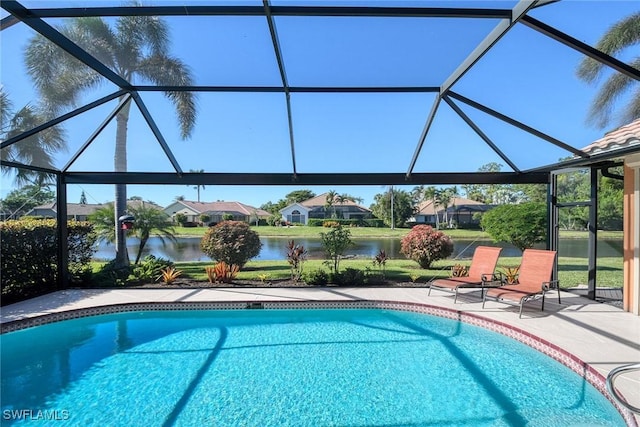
x: 351, y: 222
x: 316, y: 277
x: 274, y: 220
x: 29, y: 256
x: 232, y: 242
x: 521, y: 225
x: 180, y: 218
x: 373, y: 222
x: 425, y: 245
x: 335, y: 242
x: 150, y: 268
x: 349, y: 277
x: 372, y: 278
x: 112, y: 275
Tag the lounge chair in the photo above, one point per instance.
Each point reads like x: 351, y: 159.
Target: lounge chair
x: 480, y: 273
x: 534, y: 280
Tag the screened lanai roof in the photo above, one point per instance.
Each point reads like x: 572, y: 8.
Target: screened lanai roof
x: 329, y: 92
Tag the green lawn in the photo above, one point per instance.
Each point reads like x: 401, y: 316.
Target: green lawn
x: 572, y: 271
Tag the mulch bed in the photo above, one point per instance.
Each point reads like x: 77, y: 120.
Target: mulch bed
x: 184, y: 283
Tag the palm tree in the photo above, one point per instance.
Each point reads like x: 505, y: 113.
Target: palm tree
x: 431, y: 193
x: 148, y: 220
x: 344, y: 198
x: 104, y: 220
x: 622, y: 35
x: 37, y: 150
x: 197, y: 187
x: 136, y: 48
x: 330, y: 201
x: 341, y: 199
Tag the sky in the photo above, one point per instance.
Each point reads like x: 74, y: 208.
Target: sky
x: 526, y: 76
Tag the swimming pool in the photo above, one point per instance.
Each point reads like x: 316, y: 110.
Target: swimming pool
x: 347, y: 367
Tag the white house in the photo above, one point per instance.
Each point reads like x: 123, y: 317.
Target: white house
x: 301, y: 212
x: 81, y: 211
x: 215, y: 211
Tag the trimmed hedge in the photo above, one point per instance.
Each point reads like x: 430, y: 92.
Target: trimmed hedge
x: 369, y: 222
x: 29, y: 257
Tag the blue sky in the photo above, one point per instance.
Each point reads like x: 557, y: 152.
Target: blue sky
x: 526, y: 76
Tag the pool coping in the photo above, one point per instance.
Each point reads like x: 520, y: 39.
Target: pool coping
x: 585, y: 370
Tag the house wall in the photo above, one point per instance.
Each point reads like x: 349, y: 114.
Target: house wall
x: 631, y: 238
x: 288, y: 212
x: 175, y: 208
x: 45, y: 213
x: 342, y: 212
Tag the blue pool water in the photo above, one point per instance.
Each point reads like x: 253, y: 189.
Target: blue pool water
x: 286, y: 368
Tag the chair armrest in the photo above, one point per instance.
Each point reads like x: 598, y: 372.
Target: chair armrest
x: 492, y: 277
x: 552, y: 284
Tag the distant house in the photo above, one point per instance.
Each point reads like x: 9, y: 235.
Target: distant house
x: 460, y: 211
x: 77, y: 211
x: 300, y: 213
x: 81, y: 211
x: 215, y: 210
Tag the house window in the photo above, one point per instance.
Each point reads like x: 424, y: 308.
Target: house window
x: 296, y: 217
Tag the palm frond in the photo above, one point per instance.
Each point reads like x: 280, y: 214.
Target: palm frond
x: 620, y: 36
x: 632, y: 111
x: 603, y: 105
x: 5, y: 110
x: 167, y: 71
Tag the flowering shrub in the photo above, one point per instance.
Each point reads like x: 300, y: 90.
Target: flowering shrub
x: 232, y: 242
x: 424, y: 245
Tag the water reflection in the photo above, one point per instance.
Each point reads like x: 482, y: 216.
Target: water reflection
x: 273, y: 248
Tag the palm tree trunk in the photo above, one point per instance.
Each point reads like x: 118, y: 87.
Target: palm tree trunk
x: 143, y: 242
x: 120, y: 165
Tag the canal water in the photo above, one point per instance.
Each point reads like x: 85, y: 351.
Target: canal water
x: 274, y: 248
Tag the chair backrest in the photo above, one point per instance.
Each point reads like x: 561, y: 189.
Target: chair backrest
x: 484, y: 261
x: 536, y: 267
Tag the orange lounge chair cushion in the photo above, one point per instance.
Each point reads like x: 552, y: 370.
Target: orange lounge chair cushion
x: 456, y: 282
x: 515, y: 292
x: 484, y: 262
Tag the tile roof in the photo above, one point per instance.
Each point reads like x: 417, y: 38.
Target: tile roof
x: 241, y: 208
x: 622, y: 137
x: 72, y: 208
x: 427, y: 207
x: 321, y: 199
x: 89, y: 208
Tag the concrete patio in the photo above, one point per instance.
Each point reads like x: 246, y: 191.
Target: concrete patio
x: 601, y: 335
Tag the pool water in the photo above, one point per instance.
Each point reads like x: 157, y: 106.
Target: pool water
x: 351, y: 367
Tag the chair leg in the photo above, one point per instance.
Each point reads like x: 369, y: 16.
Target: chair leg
x: 429, y: 290
x: 521, y: 305
x: 542, y: 301
x: 455, y: 298
x: 484, y: 299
